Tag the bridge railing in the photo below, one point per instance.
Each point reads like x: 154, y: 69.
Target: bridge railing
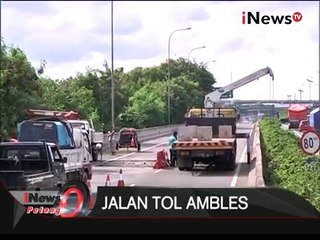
x: 145, y: 134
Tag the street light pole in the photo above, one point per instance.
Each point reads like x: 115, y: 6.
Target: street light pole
x: 193, y: 49
x: 168, y: 80
x: 309, y: 88
x: 112, y: 72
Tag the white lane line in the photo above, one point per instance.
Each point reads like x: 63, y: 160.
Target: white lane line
x: 132, y: 185
x: 236, y: 174
x: 144, y: 149
x: 157, y: 171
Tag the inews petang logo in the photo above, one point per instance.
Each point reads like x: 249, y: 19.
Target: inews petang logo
x: 70, y: 203
x: 258, y: 18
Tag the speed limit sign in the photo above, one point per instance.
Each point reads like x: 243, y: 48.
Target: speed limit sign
x: 310, y: 142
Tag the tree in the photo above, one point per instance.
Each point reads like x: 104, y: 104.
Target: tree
x: 19, y: 87
x: 140, y: 94
x: 148, y: 104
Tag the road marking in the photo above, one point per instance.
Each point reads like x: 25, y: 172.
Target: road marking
x: 144, y: 149
x: 132, y: 185
x: 236, y: 174
x: 159, y: 170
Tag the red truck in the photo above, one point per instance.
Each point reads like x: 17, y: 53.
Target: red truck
x: 296, y: 114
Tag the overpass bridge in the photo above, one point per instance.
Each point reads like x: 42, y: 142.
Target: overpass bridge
x: 313, y: 102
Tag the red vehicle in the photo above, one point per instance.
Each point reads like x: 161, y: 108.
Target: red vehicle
x: 296, y: 114
x: 304, y: 126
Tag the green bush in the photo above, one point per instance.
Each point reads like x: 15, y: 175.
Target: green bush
x: 285, y: 165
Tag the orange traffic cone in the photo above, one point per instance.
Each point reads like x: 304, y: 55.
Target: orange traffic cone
x: 108, y: 181
x: 121, y: 181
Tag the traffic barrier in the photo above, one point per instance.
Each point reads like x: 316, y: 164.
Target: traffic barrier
x: 162, y: 160
x: 144, y: 134
x: 255, y: 177
x: 121, y: 181
x: 108, y: 181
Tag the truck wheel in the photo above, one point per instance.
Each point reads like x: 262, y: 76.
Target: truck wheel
x: 230, y: 165
x: 184, y: 163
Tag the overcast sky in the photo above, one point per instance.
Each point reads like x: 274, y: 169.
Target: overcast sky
x: 73, y: 35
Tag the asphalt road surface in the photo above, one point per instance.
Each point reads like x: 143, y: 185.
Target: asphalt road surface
x: 137, y: 168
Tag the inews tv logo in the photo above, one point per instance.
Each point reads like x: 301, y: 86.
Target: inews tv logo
x: 36, y: 198
x: 258, y: 18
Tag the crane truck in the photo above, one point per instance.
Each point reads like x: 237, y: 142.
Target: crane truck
x: 73, y: 143
x: 210, y: 137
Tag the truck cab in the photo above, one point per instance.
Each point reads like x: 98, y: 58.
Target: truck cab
x: 49, y: 130
x: 32, y: 166
x: 73, y: 143
x: 95, y: 140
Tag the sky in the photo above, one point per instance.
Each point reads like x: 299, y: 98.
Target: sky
x: 72, y: 36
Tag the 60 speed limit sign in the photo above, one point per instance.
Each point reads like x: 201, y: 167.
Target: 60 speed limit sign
x: 310, y: 142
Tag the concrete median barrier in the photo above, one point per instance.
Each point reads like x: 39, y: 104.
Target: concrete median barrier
x: 255, y: 177
x: 146, y: 134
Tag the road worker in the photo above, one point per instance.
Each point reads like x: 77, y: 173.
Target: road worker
x: 173, y: 155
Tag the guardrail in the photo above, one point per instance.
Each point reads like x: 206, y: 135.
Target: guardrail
x: 250, y: 138
x: 146, y: 134
x: 295, y: 132
x: 255, y: 177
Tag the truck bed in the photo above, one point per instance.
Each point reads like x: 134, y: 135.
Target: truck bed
x: 214, y: 144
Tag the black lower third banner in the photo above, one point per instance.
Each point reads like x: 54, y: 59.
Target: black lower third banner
x: 159, y: 210
x: 200, y: 203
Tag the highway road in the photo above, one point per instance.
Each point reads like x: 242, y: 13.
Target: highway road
x: 137, y: 168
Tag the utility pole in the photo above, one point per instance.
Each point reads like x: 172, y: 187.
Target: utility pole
x: 300, y: 90
x: 112, y: 72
